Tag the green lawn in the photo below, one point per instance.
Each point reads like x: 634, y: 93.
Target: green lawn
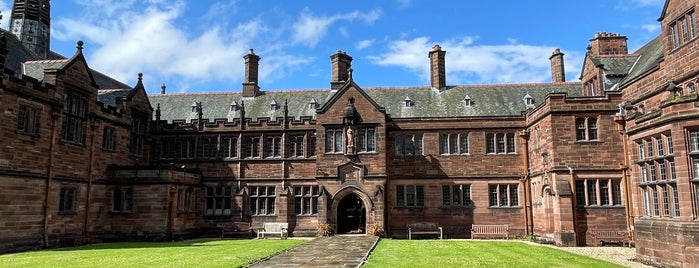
x: 237, y: 253
x: 192, y: 253
x: 461, y: 253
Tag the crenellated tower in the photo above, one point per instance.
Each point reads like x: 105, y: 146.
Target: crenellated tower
x: 30, y: 21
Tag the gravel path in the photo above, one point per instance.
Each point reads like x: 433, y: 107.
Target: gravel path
x: 619, y: 255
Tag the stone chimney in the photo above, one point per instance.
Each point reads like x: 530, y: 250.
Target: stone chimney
x: 608, y: 44
x: 250, y: 86
x: 438, y: 70
x: 558, y: 72
x: 341, y: 64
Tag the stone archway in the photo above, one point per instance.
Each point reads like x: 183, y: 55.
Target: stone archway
x: 351, y: 215
x: 351, y: 211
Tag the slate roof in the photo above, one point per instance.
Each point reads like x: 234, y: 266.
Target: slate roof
x: 487, y: 100
x: 649, y: 57
x: 615, y: 65
x: 109, y: 96
x: 23, y: 61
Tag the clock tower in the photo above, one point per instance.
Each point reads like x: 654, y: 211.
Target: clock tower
x: 30, y: 21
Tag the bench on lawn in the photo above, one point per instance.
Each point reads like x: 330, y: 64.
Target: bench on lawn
x: 422, y: 228
x: 76, y: 237
x: 486, y: 231
x: 236, y: 228
x: 274, y: 228
x: 610, y: 236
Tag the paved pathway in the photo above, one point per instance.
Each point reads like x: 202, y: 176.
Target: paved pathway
x: 333, y: 251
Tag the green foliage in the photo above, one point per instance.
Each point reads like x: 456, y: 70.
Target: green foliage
x: 192, y: 253
x: 467, y: 253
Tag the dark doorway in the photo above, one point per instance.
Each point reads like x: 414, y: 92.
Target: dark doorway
x: 351, y: 215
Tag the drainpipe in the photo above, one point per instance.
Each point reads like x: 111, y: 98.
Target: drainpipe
x: 93, y: 127
x: 55, y: 115
x: 526, y: 182
x: 574, y: 203
x: 621, y: 128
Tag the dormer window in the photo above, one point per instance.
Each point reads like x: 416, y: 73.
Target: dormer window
x: 468, y: 102
x: 313, y: 103
x: 194, y: 107
x: 528, y: 100
x: 234, y: 106
x: 408, y: 102
x: 273, y: 105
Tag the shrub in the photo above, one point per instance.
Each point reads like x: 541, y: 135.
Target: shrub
x: 324, y: 229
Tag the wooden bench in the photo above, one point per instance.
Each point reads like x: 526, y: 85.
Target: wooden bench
x: 422, y: 228
x: 486, y: 231
x: 274, y: 228
x: 236, y: 228
x: 610, y: 236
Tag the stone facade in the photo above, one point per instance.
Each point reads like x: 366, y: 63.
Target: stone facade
x: 554, y: 161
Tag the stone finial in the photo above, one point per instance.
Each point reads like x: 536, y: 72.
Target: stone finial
x: 162, y: 89
x: 80, y: 45
x: 140, y: 76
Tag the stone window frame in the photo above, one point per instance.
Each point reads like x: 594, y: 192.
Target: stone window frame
x: 75, y: 106
x: 272, y: 146
x: 410, y: 196
x: 658, y: 175
x: 497, y: 146
x: 409, y: 144
x: 454, y: 143
x: 139, y: 129
x: 334, y: 140
x: 503, y: 195
x: 262, y: 203
x: 109, y: 141
x: 251, y: 146
x: 296, y: 145
x: 207, y: 146
x: 28, y: 117
x: 67, y: 198
x: 218, y: 200
x: 229, y: 146
x: 600, y: 192
x: 457, y: 195
x: 366, y: 139
x: 187, y: 199
x: 122, y: 200
x: 306, y: 200
x: 679, y: 35
x: 587, y: 129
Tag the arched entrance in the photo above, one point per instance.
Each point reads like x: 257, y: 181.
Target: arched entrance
x: 351, y: 215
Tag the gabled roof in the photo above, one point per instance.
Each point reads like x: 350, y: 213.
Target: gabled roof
x: 617, y: 65
x: 487, y: 100
x: 349, y: 84
x: 648, y: 58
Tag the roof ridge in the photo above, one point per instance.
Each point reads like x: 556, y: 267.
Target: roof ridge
x: 46, y: 61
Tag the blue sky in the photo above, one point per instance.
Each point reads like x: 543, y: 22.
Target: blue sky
x: 197, y: 46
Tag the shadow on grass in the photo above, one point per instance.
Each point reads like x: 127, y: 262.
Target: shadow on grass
x: 202, y: 242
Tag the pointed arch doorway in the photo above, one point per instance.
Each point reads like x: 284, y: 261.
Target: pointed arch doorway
x: 351, y: 215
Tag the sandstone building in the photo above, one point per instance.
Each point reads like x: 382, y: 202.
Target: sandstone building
x: 91, y: 157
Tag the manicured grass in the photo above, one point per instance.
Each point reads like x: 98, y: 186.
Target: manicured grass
x: 463, y: 253
x: 192, y: 253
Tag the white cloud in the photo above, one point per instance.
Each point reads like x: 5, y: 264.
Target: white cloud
x: 309, y: 30
x: 365, y: 43
x: 150, y: 39
x: 651, y: 28
x: 467, y: 63
x: 646, y: 3
x: 404, y: 3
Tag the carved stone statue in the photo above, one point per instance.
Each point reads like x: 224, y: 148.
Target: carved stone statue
x: 350, y: 140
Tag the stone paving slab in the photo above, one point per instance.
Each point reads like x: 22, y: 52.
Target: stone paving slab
x: 333, y: 251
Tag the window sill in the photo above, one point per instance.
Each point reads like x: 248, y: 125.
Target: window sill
x: 588, y: 141
x: 67, y: 213
x: 265, y: 216
x: 32, y: 135
x: 306, y: 215
x: 602, y: 207
x: 121, y: 212
x: 217, y: 217
x: 513, y: 207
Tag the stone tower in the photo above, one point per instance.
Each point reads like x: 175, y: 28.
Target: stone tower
x: 30, y: 21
